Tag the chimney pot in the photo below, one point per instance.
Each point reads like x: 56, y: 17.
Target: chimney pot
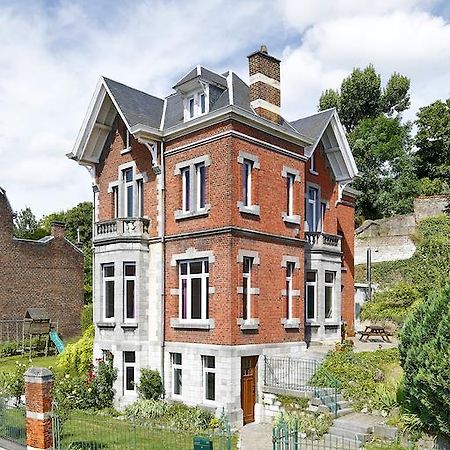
x: 264, y: 49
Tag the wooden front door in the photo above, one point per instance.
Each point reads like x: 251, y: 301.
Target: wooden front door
x: 248, y: 387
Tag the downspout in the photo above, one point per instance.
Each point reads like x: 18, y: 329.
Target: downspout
x: 162, y: 232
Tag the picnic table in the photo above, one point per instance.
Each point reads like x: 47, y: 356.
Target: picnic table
x: 374, y: 330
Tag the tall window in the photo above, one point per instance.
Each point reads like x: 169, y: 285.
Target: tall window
x: 200, y: 176
x: 186, y: 180
x: 329, y: 294
x: 196, y: 105
x: 247, y: 287
x: 311, y: 295
x: 290, y: 266
x: 194, y: 187
x: 191, y: 107
x: 194, y: 279
x: 311, y: 209
x: 312, y: 163
x: 290, y: 179
x: 127, y: 176
x: 202, y: 103
x: 177, y: 374
x: 129, y: 282
x: 129, y: 369
x: 247, y: 167
x: 108, y: 290
x: 115, y: 192
x: 140, y: 191
x: 323, y: 208
x: 209, y: 377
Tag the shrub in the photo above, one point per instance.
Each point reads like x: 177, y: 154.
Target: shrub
x: 424, y: 353
x: 12, y: 383
x: 174, y: 415
x: 150, y: 385
x: 392, y: 304
x: 87, y: 318
x: 77, y: 357
x: 357, y: 373
x: 311, y: 424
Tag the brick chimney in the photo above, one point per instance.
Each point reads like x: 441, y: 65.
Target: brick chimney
x: 57, y: 229
x: 265, y: 96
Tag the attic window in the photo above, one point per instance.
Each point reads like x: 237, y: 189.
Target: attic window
x: 195, y: 105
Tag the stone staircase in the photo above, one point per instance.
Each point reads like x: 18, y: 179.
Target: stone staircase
x: 325, y: 401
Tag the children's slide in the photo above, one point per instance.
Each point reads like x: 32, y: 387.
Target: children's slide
x: 59, y: 344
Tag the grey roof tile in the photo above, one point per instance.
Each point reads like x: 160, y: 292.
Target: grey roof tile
x: 313, y: 126
x: 137, y: 106
x: 205, y: 74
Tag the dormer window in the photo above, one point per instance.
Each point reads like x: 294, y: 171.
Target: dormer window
x: 195, y: 105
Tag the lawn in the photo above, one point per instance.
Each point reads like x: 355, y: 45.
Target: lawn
x: 7, y: 364
x: 83, y: 430
x: 12, y: 424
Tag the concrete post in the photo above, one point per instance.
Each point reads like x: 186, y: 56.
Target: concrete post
x: 38, y: 404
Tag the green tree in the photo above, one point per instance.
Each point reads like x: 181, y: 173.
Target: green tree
x: 382, y: 150
x: 361, y: 96
x: 424, y: 355
x: 26, y: 226
x: 433, y: 141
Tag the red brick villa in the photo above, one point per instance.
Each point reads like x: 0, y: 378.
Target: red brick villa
x: 222, y: 232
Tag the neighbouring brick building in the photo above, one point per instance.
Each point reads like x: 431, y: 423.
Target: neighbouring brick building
x: 46, y: 273
x: 222, y: 232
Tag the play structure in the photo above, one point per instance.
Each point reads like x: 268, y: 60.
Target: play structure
x: 33, y: 333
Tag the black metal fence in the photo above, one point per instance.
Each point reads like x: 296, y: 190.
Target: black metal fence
x: 12, y: 423
x: 82, y: 431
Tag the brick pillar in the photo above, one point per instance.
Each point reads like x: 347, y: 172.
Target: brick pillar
x: 38, y: 402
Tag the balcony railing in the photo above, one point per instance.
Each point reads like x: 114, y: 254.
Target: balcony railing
x: 324, y: 241
x: 121, y: 227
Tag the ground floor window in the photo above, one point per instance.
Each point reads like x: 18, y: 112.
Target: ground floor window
x: 177, y: 373
x: 129, y: 369
x: 209, y: 377
x: 311, y: 295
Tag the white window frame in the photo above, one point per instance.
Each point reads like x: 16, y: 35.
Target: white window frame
x: 315, y: 203
x: 126, y: 365
x: 127, y: 278
x: 200, y: 186
x: 126, y: 185
x: 332, y: 286
x: 312, y: 164
x: 196, y: 97
x: 186, y: 189
x: 314, y: 284
x: 208, y: 370
x: 176, y: 366
x: 247, y: 293
x: 323, y: 209
x: 204, y: 277
x: 247, y: 169
x: 290, y: 268
x: 106, y: 279
x: 115, y: 192
x: 290, y: 183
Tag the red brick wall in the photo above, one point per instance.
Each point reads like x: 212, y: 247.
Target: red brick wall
x: 225, y: 305
x: 107, y: 172
x: 40, y: 275
x: 346, y: 226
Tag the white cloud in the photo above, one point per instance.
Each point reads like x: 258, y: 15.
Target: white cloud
x: 53, y: 55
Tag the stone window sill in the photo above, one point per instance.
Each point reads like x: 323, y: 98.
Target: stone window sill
x: 291, y: 323
x: 291, y: 220
x: 106, y: 325
x: 248, y: 324
x: 125, y: 150
x: 129, y: 326
x: 313, y: 172
x: 180, y: 215
x: 194, y: 324
x: 310, y: 323
x: 253, y: 209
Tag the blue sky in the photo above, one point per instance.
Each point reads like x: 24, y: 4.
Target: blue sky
x: 54, y: 51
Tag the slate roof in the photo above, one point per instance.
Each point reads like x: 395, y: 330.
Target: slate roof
x: 204, y: 74
x: 313, y: 126
x: 136, y: 106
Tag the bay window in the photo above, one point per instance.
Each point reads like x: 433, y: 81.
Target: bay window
x: 329, y: 294
x: 311, y: 295
x: 129, y: 282
x: 108, y: 291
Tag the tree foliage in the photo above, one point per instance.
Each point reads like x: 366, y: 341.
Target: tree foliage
x: 433, y: 140
x: 26, y: 226
x: 361, y: 96
x: 382, y: 150
x: 424, y: 354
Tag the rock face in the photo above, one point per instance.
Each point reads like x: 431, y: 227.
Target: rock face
x: 390, y: 238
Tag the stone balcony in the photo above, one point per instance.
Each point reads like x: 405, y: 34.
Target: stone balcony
x: 129, y: 228
x: 318, y: 242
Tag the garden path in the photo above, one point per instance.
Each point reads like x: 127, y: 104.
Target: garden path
x: 255, y: 436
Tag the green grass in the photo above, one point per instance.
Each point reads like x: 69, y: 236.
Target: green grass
x: 94, y: 432
x: 12, y: 424
x: 8, y: 364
